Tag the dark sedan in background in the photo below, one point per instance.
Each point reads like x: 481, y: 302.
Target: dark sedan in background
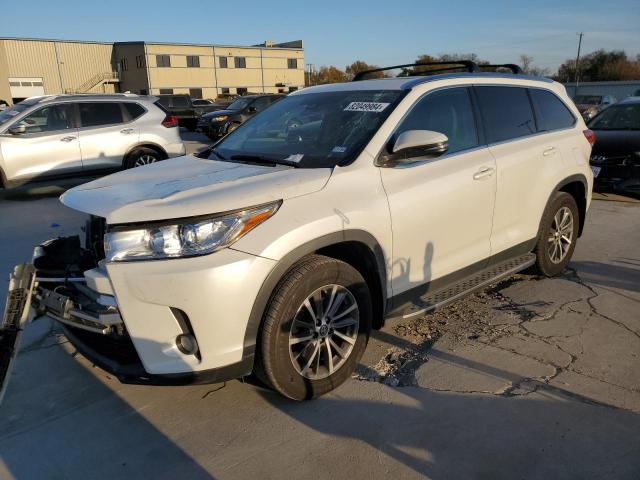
x: 218, y: 124
x: 615, y: 158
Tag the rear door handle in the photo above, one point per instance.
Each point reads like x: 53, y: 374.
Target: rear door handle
x: 484, y: 172
x: 68, y: 139
x: 549, y: 151
x: 126, y: 131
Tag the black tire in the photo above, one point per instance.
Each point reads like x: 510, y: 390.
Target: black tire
x: 139, y: 157
x: 274, y: 362
x: 545, y: 264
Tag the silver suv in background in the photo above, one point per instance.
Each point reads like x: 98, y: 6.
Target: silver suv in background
x: 59, y: 135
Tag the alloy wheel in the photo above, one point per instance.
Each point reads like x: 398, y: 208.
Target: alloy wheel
x: 324, y: 332
x: 145, y: 159
x: 560, y: 235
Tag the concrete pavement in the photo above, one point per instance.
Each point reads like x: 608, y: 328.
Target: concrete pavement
x: 531, y: 378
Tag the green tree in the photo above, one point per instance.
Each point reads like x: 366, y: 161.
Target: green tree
x: 360, y: 66
x: 326, y: 74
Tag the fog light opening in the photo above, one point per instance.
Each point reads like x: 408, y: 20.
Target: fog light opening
x: 187, y: 344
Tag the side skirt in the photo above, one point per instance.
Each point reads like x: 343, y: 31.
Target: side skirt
x: 432, y: 295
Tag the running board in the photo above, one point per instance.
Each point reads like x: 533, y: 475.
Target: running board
x: 431, y: 301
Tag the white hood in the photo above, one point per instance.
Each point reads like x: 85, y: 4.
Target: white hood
x: 189, y: 186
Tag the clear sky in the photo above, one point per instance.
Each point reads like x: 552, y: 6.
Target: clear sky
x: 338, y: 32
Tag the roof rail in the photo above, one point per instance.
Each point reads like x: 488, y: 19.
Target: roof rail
x: 468, y: 65
x: 515, y: 69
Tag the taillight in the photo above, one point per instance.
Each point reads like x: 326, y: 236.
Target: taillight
x: 590, y: 135
x: 170, y: 121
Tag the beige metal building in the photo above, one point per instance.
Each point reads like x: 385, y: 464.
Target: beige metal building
x: 30, y: 67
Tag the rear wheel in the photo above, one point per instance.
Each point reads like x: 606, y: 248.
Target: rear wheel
x: 558, y: 235
x: 315, y: 329
x: 142, y: 156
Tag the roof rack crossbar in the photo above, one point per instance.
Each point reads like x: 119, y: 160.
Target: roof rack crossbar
x: 470, y: 66
x: 511, y: 66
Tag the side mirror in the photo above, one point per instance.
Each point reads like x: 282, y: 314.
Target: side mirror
x: 17, y: 129
x: 415, y: 143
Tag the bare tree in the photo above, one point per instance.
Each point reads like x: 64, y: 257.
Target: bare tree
x: 526, y: 63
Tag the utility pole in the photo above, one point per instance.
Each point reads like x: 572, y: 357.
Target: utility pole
x: 577, y: 77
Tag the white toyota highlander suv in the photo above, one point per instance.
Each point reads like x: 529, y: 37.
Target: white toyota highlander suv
x: 336, y: 208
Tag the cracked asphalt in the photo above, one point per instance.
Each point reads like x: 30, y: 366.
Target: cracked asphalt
x: 530, y: 378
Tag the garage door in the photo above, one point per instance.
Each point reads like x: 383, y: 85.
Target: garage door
x: 25, y: 87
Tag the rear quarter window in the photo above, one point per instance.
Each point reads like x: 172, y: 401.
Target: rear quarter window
x: 551, y: 112
x: 506, y: 113
x: 134, y: 110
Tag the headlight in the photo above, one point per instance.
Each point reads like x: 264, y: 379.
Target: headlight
x: 221, y: 118
x: 185, y: 238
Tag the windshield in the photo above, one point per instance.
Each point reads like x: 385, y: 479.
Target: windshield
x: 618, y: 117
x: 9, y: 113
x: 312, y: 130
x: 588, y: 99
x: 239, y: 104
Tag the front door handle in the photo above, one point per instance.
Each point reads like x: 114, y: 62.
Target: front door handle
x: 67, y: 139
x: 484, y: 172
x: 549, y: 151
x: 126, y: 131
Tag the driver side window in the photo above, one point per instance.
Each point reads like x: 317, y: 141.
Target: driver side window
x: 48, y: 119
x: 446, y: 111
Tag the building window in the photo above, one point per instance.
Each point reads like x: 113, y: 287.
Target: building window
x: 292, y: 63
x: 140, y: 61
x: 241, y: 91
x: 224, y: 90
x: 166, y: 91
x: 124, y: 65
x: 195, y: 92
x: 240, y: 62
x: 193, y: 61
x: 224, y: 62
x: 163, y: 60
x: 293, y: 89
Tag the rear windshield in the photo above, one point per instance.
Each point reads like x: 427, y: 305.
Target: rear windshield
x: 313, y: 129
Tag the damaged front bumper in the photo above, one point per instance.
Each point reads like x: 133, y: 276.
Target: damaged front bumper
x: 128, y: 317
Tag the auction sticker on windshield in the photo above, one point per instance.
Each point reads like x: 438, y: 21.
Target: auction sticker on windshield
x: 376, y: 107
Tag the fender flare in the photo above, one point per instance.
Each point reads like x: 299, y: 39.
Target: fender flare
x: 566, y: 181
x: 289, y: 260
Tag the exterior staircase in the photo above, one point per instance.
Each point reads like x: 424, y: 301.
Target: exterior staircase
x: 98, y: 79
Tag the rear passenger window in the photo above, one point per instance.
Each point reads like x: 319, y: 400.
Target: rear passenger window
x: 94, y: 114
x: 506, y: 113
x: 446, y: 111
x: 551, y: 113
x: 134, y: 110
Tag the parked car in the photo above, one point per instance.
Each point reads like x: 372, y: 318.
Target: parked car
x: 183, y: 108
x: 55, y: 135
x: 281, y: 252
x: 3, y: 105
x: 590, y: 105
x: 615, y: 159
x: 218, y: 124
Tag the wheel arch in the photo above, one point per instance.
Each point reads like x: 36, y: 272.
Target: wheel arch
x: 577, y: 187
x: 357, y: 247
x: 151, y: 145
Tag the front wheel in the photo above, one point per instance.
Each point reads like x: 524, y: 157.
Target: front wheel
x: 315, y: 329
x: 141, y: 157
x: 558, y: 235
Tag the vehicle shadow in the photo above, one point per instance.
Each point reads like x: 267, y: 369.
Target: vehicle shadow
x: 609, y: 275
x: 75, y: 426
